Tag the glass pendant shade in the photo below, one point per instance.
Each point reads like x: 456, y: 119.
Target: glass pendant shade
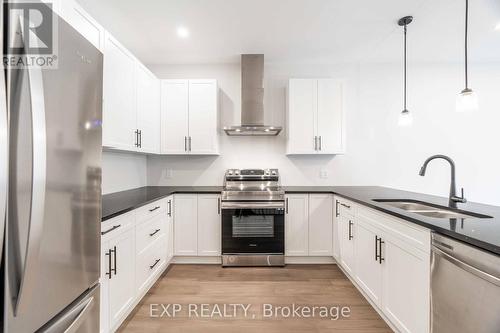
x: 467, y: 101
x: 405, y: 118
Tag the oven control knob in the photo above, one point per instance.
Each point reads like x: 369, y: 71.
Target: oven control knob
x: 273, y: 172
x: 236, y: 172
x: 230, y: 172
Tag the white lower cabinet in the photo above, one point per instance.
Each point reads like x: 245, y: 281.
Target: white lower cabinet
x: 347, y: 234
x: 197, y: 225
x: 368, y: 272
x: 389, y: 259
x: 135, y: 251
x: 209, y: 225
x: 297, y: 225
x: 308, y: 225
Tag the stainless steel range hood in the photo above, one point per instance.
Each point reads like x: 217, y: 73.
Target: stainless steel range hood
x: 252, y: 100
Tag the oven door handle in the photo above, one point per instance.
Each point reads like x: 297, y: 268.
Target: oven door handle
x: 250, y: 205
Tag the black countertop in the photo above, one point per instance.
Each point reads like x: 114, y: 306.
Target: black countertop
x: 483, y: 233
x: 117, y: 203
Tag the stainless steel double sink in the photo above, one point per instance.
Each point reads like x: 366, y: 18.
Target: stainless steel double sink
x: 430, y: 210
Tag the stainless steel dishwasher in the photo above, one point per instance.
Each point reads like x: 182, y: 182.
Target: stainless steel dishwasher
x: 465, y: 288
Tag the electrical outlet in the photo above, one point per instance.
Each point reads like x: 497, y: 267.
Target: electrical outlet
x: 323, y: 174
x: 168, y: 173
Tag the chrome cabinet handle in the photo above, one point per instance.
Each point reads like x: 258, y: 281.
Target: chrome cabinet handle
x: 185, y: 143
x: 154, y: 233
x: 114, y: 254
x: 153, y: 209
x: 286, y: 205
x: 189, y: 143
x: 380, y: 258
x: 111, y: 229
x: 376, y: 248
x: 337, y: 213
x: 136, y: 132
x: 24, y: 280
x: 350, y: 230
x: 108, y: 254
x: 169, y: 207
x: 315, y: 143
x: 320, y: 144
x: 153, y: 265
x: 140, y: 138
x: 218, y: 206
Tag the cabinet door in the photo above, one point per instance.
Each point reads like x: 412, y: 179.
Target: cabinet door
x: 203, y: 117
x: 368, y: 268
x: 174, y: 116
x: 336, y: 229
x: 347, y: 239
x: 209, y: 225
x: 122, y: 283
x: 297, y: 225
x: 320, y: 224
x: 406, y: 286
x: 186, y: 225
x: 170, y: 229
x: 104, y: 288
x: 148, y: 110
x: 85, y: 24
x: 330, y: 117
x: 119, y: 114
x: 301, y: 117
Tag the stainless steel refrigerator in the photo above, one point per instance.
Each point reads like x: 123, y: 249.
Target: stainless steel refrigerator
x: 50, y: 178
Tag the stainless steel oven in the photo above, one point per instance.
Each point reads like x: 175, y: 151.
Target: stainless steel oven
x: 253, y: 219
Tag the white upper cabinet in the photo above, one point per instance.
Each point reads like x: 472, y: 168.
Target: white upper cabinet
x: 148, y: 110
x: 203, y: 117
x: 301, y: 117
x: 85, y: 24
x: 330, y: 121
x: 174, y: 116
x: 189, y: 122
x: 315, y: 117
x: 119, y: 107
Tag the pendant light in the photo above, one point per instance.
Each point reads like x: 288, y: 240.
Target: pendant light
x: 405, y: 117
x: 467, y: 99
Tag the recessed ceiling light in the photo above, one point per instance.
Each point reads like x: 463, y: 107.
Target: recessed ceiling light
x: 182, y: 32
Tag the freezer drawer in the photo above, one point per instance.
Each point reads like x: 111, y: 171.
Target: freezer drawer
x: 82, y: 316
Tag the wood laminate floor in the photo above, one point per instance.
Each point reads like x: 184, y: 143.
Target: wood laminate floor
x: 304, y: 285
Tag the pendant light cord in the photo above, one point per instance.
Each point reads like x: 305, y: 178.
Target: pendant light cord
x: 405, y: 66
x: 466, y: 43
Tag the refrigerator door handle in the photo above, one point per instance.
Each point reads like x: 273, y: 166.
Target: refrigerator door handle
x: 3, y: 152
x: 73, y: 319
x: 28, y: 275
x: 81, y: 316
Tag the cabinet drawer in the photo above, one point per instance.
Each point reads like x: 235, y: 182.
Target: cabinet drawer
x: 117, y: 225
x: 151, y: 210
x: 346, y: 207
x: 149, y: 231
x: 149, y: 262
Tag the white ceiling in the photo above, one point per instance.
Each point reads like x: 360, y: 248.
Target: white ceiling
x: 316, y: 31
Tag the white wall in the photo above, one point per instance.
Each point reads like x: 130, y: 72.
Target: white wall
x: 249, y: 152
x: 123, y: 171
x: 392, y: 156
x: 378, y: 151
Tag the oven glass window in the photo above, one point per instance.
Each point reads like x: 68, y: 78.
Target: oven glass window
x: 253, y: 226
